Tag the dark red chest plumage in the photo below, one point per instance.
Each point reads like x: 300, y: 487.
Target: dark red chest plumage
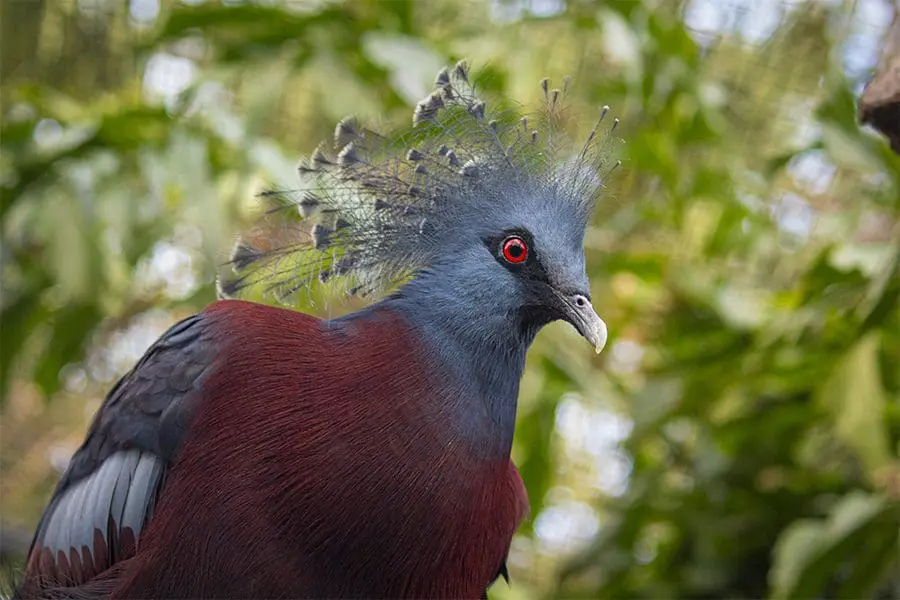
x: 318, y: 466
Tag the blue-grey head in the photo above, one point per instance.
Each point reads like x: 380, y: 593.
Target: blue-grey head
x: 475, y: 214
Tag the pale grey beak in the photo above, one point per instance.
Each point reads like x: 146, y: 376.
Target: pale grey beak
x: 584, y: 318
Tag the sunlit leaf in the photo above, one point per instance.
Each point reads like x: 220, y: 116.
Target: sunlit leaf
x: 854, y: 395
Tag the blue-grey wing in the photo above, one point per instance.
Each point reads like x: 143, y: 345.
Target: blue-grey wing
x: 108, y: 492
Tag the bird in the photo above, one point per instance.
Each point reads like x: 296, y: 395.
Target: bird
x: 255, y: 451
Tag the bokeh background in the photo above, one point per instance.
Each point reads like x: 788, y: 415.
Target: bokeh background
x: 740, y: 436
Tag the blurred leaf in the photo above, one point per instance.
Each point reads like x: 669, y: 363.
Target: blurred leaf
x: 241, y: 31
x: 811, y: 552
x: 854, y: 395
x: 883, y: 298
x: 65, y: 344
x: 122, y: 131
x: 410, y: 64
x: 19, y: 319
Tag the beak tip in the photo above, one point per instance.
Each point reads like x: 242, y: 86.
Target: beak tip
x: 601, y: 334
x: 581, y: 314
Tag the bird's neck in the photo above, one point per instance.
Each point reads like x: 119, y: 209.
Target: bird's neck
x: 479, y: 350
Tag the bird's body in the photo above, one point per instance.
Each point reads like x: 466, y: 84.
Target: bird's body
x: 374, y: 488
x: 258, y: 452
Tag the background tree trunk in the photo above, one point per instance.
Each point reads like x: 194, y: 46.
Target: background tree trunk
x: 879, y: 105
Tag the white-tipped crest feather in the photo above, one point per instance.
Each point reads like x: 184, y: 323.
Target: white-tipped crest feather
x: 374, y: 212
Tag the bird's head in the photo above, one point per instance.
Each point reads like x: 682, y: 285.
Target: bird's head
x: 489, y: 207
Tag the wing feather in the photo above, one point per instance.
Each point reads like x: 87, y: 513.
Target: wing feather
x: 107, y: 494
x: 140, y: 492
x: 83, y: 529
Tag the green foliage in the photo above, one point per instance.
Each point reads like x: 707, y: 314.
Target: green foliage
x: 752, y: 299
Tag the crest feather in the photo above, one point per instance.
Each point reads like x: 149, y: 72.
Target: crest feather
x: 373, y: 210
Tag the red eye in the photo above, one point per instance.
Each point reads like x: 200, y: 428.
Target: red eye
x: 514, y: 250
